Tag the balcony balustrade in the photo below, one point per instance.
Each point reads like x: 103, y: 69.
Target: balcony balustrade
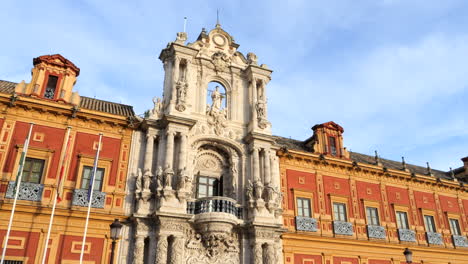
x: 28, y: 191
x: 80, y: 198
x: 306, y: 224
x: 214, y: 204
x: 375, y: 231
x: 407, y: 235
x: 434, y: 238
x: 343, y: 228
x: 460, y: 241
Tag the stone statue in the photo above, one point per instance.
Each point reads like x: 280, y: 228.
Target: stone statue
x: 157, y: 108
x: 261, y: 109
x: 258, y: 189
x: 216, y: 99
x: 249, y: 191
x: 138, y: 181
x: 252, y: 58
x: 147, y: 180
x: 168, y: 172
x: 234, y: 180
x: 159, y: 178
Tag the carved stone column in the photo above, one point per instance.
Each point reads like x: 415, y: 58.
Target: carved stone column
x: 149, y: 152
x: 177, y: 247
x: 183, y: 151
x: 170, y: 148
x: 139, y: 250
x: 161, y: 250
x: 267, y: 163
x: 161, y: 149
x: 257, y: 253
x: 256, y: 164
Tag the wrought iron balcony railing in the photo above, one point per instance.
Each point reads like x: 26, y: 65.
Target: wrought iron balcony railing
x: 306, y: 224
x: 216, y: 204
x: 434, y: 238
x: 407, y: 235
x: 460, y: 241
x: 375, y: 231
x: 343, y: 228
x: 28, y: 191
x: 80, y: 198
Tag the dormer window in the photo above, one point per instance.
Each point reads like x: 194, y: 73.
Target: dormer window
x: 332, y: 146
x: 51, y: 87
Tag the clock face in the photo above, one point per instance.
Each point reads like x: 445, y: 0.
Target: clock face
x: 219, y: 40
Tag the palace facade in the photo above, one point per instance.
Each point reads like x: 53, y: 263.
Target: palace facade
x: 201, y: 179
x: 342, y: 207
x: 49, y: 102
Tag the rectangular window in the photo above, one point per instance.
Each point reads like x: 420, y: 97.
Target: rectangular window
x: 454, y: 227
x: 32, y: 170
x: 429, y: 223
x: 87, y: 171
x: 372, y: 216
x: 339, y: 212
x: 332, y: 144
x: 51, y: 87
x: 303, y: 207
x: 402, y: 220
x: 207, y: 187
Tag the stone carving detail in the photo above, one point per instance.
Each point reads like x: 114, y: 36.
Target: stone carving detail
x: 252, y: 58
x: 139, y: 252
x: 407, y: 235
x: 217, y: 116
x: 261, y: 114
x: 155, y: 113
x: 343, y: 228
x: 212, y: 248
x: 220, y: 61
x: 306, y: 224
x: 161, y: 255
x: 159, y: 178
x: 168, y: 173
x: 138, y: 181
x: 434, y: 238
x: 27, y: 191
x: 374, y: 231
x: 460, y: 241
x: 80, y: 198
x: 181, y: 88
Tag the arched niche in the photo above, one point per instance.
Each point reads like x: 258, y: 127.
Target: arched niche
x: 216, y: 166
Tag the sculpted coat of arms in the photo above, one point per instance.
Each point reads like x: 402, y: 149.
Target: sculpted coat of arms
x: 221, y: 61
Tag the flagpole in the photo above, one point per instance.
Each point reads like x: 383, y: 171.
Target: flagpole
x: 64, y: 153
x: 90, y: 197
x: 18, y: 183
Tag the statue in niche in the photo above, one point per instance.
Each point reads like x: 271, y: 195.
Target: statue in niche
x: 261, y: 109
x: 168, y: 172
x: 184, y: 179
x: 216, y: 99
x: 217, y: 116
x: 138, y: 181
x: 159, y: 178
x: 147, y: 180
x: 249, y: 191
x: 233, y: 180
x: 157, y: 108
x: 258, y: 189
x: 181, y: 89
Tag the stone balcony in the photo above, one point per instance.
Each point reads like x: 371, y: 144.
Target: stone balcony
x: 216, y: 204
x: 407, y: 235
x: 343, y: 228
x: 460, y: 241
x: 375, y: 231
x: 28, y: 191
x: 306, y: 224
x: 80, y: 198
x: 434, y: 238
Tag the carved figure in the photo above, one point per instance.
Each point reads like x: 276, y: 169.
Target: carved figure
x: 233, y: 180
x: 249, y: 190
x: 147, y: 180
x: 216, y: 99
x: 157, y: 108
x: 258, y: 189
x: 168, y: 172
x: 159, y: 178
x: 183, y: 179
x: 138, y: 181
x: 252, y: 58
x: 181, y: 88
x: 261, y: 109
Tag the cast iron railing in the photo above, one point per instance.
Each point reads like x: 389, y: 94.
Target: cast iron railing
x: 28, y: 191
x: 375, y: 231
x: 460, y: 241
x: 343, y: 228
x: 406, y: 235
x: 80, y: 198
x: 306, y: 224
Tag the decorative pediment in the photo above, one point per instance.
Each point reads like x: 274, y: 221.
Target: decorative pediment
x: 57, y: 60
x: 330, y: 125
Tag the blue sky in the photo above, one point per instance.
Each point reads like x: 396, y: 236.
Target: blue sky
x: 393, y: 73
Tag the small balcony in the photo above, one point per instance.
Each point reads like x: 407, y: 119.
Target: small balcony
x: 28, y: 191
x: 216, y: 204
x: 306, y: 224
x: 343, y: 228
x: 434, y: 238
x: 407, y: 235
x: 375, y: 231
x: 459, y: 241
x: 80, y: 198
